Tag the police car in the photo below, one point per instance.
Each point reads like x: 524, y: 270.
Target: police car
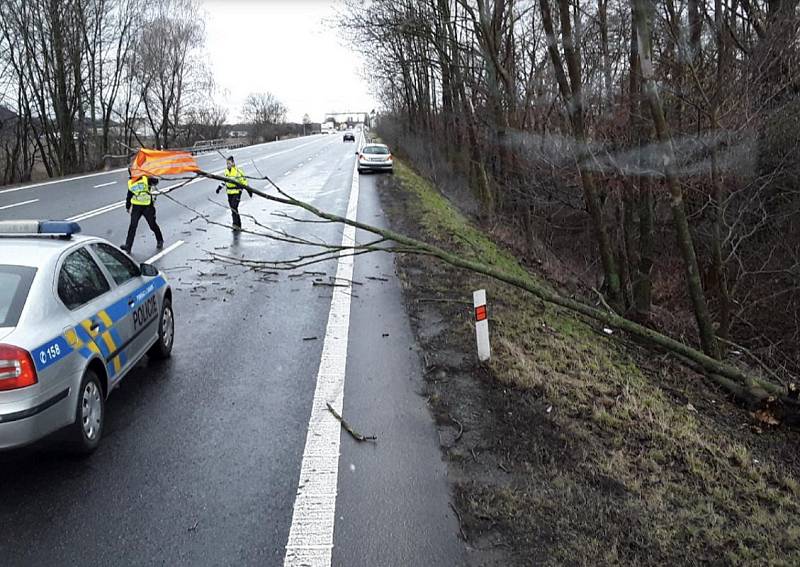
x: 76, y: 314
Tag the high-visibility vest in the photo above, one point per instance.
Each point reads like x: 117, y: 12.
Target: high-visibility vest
x: 238, y: 175
x: 141, y: 191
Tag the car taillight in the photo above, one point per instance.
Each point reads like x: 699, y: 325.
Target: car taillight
x: 16, y: 368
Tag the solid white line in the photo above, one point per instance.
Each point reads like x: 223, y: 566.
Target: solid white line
x: 105, y: 184
x: 164, y: 252
x: 95, y: 212
x: 19, y: 204
x: 311, y: 533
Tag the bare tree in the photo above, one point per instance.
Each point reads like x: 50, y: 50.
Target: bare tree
x: 169, y: 69
x: 561, y: 83
x: 204, y: 122
x: 264, y: 112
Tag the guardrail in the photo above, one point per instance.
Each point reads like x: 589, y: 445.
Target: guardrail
x: 205, y: 146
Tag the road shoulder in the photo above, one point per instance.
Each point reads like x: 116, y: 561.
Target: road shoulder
x: 573, y: 446
x: 393, y: 506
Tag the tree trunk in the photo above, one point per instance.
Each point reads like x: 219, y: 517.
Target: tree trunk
x: 718, y: 185
x: 729, y: 377
x: 571, y: 92
x: 685, y: 243
x: 642, y: 280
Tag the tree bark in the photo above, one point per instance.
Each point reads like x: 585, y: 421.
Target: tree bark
x: 729, y: 377
x: 572, y: 94
x: 685, y: 242
x: 642, y: 279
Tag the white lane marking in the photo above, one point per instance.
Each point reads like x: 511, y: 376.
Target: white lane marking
x: 98, y: 211
x: 105, y: 184
x: 18, y: 204
x: 311, y: 533
x: 164, y: 252
x: 99, y: 173
x: 67, y: 180
x: 114, y: 206
x: 287, y: 151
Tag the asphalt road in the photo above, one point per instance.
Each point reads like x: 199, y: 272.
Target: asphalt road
x: 200, y: 463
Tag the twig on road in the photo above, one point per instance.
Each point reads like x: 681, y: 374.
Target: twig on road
x: 442, y: 300
x: 355, y: 434
x: 460, y: 523
x: 354, y: 282
x: 303, y: 274
x: 460, y: 429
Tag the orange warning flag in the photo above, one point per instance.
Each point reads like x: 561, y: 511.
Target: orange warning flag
x: 155, y: 163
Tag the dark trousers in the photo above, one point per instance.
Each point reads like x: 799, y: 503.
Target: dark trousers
x: 233, y: 201
x: 149, y: 214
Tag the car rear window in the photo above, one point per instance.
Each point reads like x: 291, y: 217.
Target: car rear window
x: 15, y: 283
x: 376, y: 150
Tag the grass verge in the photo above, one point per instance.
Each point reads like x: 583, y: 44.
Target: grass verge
x: 576, y: 448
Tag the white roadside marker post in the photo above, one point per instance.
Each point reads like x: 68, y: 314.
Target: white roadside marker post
x: 481, y: 324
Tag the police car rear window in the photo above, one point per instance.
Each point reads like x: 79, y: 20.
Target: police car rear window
x: 15, y: 283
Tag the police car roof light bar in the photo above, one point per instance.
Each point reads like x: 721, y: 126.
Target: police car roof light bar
x: 41, y: 229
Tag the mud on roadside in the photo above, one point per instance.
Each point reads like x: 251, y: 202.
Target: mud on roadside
x: 545, y: 457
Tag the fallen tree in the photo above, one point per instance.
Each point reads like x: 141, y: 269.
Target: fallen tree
x: 746, y: 387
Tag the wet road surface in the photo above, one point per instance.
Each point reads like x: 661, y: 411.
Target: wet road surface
x: 200, y: 463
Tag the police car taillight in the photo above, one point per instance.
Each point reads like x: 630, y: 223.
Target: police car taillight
x: 16, y: 368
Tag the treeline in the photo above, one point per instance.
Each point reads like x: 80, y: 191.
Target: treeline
x: 652, y: 146
x: 80, y: 79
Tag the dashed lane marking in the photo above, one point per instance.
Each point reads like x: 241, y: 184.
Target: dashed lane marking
x: 55, y: 181
x: 119, y: 204
x: 11, y: 206
x: 121, y: 169
x: 164, y: 252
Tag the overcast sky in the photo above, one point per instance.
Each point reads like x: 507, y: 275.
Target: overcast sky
x: 287, y: 48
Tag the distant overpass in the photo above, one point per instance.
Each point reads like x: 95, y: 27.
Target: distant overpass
x: 354, y: 117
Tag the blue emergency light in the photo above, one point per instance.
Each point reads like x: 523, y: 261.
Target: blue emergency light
x: 44, y: 228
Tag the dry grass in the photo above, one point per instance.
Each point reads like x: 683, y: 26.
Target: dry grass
x: 645, y: 479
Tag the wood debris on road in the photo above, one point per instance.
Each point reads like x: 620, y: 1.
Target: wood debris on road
x: 353, y: 433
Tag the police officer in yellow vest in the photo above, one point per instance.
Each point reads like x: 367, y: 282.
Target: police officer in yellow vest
x: 234, y: 191
x: 139, y: 203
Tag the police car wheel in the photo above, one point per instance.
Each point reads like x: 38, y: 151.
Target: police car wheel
x: 90, y: 414
x: 166, y: 333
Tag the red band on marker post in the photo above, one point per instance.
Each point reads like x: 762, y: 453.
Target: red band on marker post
x: 481, y: 324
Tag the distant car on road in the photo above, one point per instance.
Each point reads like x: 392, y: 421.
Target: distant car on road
x: 349, y: 137
x: 375, y: 157
x: 76, y: 314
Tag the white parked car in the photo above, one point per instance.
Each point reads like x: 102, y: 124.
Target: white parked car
x: 375, y: 157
